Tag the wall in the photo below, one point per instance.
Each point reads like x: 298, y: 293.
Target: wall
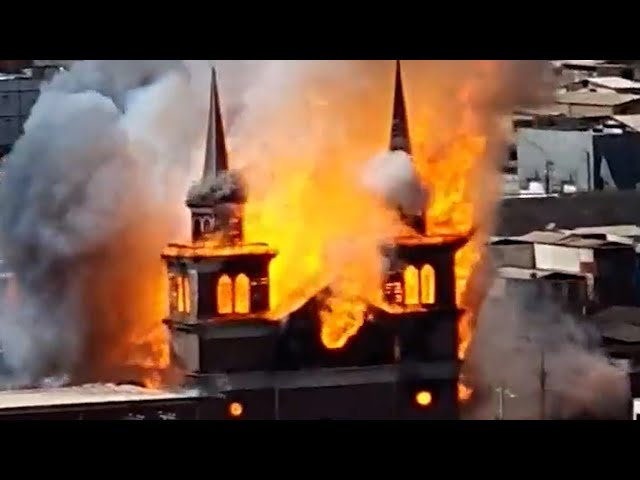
x: 565, y: 259
x: 588, y: 110
x: 616, y: 280
x: 570, y: 151
x: 518, y: 255
x: 518, y: 216
x: 622, y: 156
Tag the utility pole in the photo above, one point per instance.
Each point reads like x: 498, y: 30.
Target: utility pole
x: 548, y: 167
x: 543, y: 387
x: 502, y: 391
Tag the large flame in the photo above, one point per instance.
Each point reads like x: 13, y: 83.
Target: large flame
x: 326, y: 228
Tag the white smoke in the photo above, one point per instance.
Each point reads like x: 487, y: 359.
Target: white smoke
x: 91, y: 193
x: 393, y: 176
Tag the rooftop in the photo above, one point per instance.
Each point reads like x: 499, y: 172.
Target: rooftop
x: 600, y: 98
x: 631, y: 121
x: 618, y: 323
x: 93, y: 394
x: 614, y: 83
x: 618, y: 230
x: 562, y: 237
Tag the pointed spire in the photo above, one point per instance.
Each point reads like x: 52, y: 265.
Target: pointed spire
x: 216, y: 159
x: 400, y: 139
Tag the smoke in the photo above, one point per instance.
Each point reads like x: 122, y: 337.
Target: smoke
x: 96, y: 186
x: 520, y: 337
x: 311, y: 138
x: 393, y: 177
x: 92, y: 192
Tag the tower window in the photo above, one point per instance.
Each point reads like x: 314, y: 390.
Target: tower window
x: 234, y: 296
x: 224, y: 295
x: 411, y: 286
x: 241, y: 297
x: 179, y: 294
x: 427, y: 285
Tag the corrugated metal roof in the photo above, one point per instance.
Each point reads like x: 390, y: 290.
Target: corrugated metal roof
x: 622, y: 332
x: 545, y: 110
x: 614, y: 83
x: 619, y: 230
x: 579, y: 63
x: 562, y: 238
x: 631, y: 121
x: 86, y: 394
x: 531, y: 237
x: 579, y: 242
x: 600, y: 98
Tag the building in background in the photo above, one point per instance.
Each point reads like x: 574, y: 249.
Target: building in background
x: 20, y: 82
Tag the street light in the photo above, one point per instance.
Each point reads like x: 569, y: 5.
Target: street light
x: 502, y: 391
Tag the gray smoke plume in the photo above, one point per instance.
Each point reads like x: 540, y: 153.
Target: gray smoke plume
x: 393, y: 176
x: 91, y: 193
x: 519, y: 339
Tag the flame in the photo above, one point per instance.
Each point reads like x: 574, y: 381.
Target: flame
x: 303, y: 158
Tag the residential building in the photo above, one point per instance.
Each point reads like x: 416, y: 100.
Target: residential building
x: 610, y: 268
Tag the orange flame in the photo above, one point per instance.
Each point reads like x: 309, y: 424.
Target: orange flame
x: 303, y: 160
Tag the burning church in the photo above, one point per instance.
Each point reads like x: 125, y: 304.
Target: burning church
x: 240, y: 359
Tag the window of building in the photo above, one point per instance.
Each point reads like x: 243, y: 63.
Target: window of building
x: 241, y: 298
x: 224, y: 295
x: 179, y: 294
x: 411, y: 286
x: 234, y: 296
x: 427, y: 285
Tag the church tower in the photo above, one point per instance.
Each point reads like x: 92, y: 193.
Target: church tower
x: 218, y: 283
x: 400, y: 140
x: 217, y: 201
x: 420, y: 284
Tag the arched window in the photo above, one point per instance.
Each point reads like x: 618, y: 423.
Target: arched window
x: 427, y: 285
x: 224, y: 294
x: 411, y: 286
x: 186, y: 295
x: 197, y: 227
x: 242, y: 294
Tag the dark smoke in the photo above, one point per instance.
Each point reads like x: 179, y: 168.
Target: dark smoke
x: 91, y: 193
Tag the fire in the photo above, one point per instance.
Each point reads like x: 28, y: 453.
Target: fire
x: 306, y: 160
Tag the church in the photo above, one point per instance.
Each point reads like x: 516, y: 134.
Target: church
x: 239, y: 363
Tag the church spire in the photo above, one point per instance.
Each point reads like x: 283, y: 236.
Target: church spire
x: 216, y: 159
x: 400, y: 139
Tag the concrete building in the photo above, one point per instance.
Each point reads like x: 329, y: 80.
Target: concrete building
x: 532, y: 286
x: 521, y: 215
x: 597, y: 102
x: 616, y: 84
x: 585, y: 160
x: 610, y: 268
x: 18, y: 93
x: 578, y: 69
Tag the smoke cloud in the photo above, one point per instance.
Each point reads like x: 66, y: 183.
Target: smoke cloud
x: 92, y: 192
x: 96, y: 187
x: 393, y: 176
x: 517, y: 339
